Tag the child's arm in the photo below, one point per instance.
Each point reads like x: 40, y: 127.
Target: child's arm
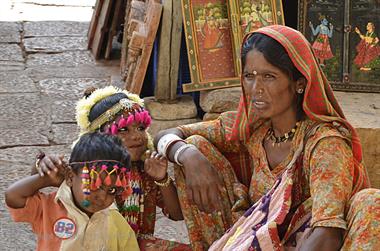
x: 17, y: 193
x: 156, y: 167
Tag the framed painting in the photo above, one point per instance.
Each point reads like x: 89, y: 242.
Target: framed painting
x: 210, y: 47
x: 214, y: 30
x: 344, y: 39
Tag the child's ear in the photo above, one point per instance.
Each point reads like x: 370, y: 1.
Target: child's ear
x: 69, y: 177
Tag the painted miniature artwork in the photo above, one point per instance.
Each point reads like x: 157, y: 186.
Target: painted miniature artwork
x: 322, y: 24
x: 255, y: 14
x: 214, y: 39
x: 364, y: 38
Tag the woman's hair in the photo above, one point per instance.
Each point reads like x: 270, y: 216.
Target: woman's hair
x: 98, y: 146
x: 277, y: 56
x: 105, y: 104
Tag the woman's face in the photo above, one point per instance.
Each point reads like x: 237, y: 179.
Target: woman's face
x: 271, y: 90
x: 134, y: 137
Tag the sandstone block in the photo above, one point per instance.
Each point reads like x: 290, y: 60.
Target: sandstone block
x: 55, y: 44
x: 184, y: 108
x: 158, y: 125
x: 55, y: 29
x: 221, y: 100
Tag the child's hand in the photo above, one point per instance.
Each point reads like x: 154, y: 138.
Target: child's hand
x: 156, y: 165
x: 53, y: 167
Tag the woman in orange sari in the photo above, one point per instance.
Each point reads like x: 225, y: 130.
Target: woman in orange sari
x: 284, y: 172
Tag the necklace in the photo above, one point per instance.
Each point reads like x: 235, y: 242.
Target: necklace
x: 287, y: 136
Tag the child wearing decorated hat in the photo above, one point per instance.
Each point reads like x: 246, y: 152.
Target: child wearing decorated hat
x: 82, y: 214
x: 118, y: 112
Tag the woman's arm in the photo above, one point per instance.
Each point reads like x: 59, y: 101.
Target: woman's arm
x: 324, y: 239
x: 202, y: 181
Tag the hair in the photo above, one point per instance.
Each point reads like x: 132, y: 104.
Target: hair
x: 99, y: 146
x: 105, y: 104
x: 277, y: 56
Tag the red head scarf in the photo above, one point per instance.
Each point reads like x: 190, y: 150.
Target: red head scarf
x: 319, y: 102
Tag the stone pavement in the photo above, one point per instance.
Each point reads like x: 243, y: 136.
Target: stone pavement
x: 44, y: 68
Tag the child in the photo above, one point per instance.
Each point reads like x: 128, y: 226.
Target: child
x: 121, y: 113
x: 82, y: 214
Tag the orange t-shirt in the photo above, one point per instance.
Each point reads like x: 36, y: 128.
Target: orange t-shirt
x: 60, y: 225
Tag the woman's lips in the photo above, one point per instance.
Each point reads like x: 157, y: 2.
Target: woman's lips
x: 260, y: 104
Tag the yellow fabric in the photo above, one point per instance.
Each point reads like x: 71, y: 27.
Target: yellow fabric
x: 105, y: 230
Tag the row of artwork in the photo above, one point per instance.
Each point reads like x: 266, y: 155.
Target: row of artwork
x: 348, y: 53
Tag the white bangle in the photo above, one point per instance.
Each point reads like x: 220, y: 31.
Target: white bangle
x: 180, y: 150
x: 166, y: 141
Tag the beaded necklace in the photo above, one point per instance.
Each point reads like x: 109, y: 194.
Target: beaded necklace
x: 133, y: 208
x: 287, y: 136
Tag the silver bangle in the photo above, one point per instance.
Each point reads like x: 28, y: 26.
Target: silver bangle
x: 180, y: 150
x: 166, y: 141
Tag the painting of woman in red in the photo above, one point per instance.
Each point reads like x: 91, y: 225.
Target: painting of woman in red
x: 368, y: 49
x: 211, y: 33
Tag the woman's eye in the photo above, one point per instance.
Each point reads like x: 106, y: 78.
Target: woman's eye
x: 123, y: 129
x: 268, y: 76
x: 141, y: 128
x: 249, y: 75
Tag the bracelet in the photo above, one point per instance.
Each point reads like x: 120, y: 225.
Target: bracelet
x: 166, y: 183
x: 180, y: 150
x: 166, y: 141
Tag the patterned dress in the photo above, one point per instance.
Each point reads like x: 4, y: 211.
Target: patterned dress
x: 139, y: 209
x: 314, y: 186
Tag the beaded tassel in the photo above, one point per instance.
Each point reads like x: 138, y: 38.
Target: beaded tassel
x: 85, y: 186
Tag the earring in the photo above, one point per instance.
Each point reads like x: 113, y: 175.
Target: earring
x: 300, y: 91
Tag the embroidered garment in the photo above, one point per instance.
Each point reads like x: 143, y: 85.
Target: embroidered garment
x: 320, y: 183
x: 60, y: 225
x: 139, y: 209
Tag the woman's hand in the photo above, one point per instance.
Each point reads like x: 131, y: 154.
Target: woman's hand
x: 156, y: 165
x: 54, y: 168
x: 202, y: 181
x: 323, y: 239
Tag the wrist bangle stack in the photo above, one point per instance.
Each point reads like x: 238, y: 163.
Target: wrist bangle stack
x: 180, y: 150
x: 166, y: 141
x: 166, y: 183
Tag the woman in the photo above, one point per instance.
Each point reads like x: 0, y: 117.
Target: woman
x: 118, y: 112
x: 291, y: 145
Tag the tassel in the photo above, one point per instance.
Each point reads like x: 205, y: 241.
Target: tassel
x: 108, y: 130
x: 107, y: 180
x: 98, y: 182
x: 148, y: 120
x: 130, y: 120
x: 114, y: 129
x: 137, y: 117
x: 118, y: 182
x: 122, y: 122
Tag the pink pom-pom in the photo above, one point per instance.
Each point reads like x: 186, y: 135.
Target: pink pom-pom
x: 122, y: 122
x: 114, y: 129
x: 104, y: 167
x: 148, y: 120
x: 130, y: 120
x: 137, y: 117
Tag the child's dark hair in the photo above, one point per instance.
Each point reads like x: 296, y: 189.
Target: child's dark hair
x: 99, y: 146
x: 276, y: 55
x: 105, y: 104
